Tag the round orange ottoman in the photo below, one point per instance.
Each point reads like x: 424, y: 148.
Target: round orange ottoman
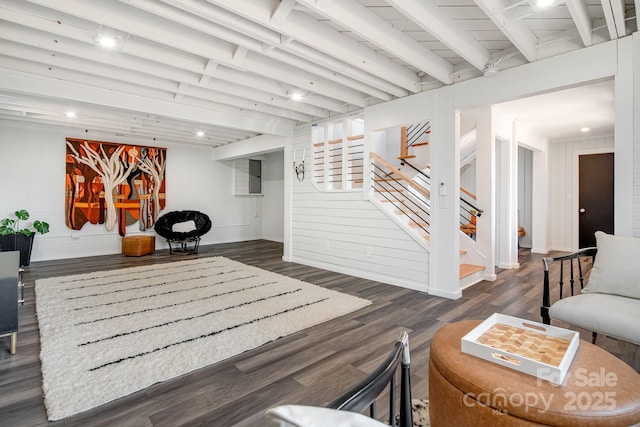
x: 464, y: 390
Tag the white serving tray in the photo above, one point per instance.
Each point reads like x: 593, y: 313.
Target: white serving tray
x: 519, y: 362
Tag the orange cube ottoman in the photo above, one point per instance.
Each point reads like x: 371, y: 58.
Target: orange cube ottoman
x: 138, y: 245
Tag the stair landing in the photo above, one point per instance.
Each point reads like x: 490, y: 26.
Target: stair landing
x: 469, y: 269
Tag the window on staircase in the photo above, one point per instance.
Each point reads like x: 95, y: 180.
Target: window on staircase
x: 338, y: 154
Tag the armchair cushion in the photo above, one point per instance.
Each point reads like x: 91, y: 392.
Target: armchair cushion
x: 616, y: 269
x: 606, y: 314
x: 311, y: 416
x: 184, y: 227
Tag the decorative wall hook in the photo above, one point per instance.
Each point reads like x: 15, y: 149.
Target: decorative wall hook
x: 299, y: 169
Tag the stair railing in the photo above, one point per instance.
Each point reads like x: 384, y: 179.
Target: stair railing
x: 468, y: 211
x: 397, y: 188
x: 415, y: 133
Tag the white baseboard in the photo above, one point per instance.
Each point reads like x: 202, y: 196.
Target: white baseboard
x: 416, y: 286
x: 445, y: 294
x: 539, y: 251
x: 509, y: 266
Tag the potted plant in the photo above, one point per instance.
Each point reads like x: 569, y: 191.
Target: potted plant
x: 13, y: 237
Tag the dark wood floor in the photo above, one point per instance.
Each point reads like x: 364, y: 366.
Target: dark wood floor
x: 309, y: 367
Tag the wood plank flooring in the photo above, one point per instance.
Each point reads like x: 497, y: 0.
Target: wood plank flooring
x: 309, y: 367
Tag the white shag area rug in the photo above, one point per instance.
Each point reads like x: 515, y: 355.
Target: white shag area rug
x: 107, y: 334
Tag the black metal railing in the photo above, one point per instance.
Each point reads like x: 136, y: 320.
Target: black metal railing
x: 469, y: 212
x: 353, y: 158
x: 415, y: 132
x: 397, y: 191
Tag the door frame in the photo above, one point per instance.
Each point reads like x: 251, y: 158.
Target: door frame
x: 575, y: 218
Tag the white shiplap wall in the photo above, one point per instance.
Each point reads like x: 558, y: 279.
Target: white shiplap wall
x: 562, y: 185
x: 344, y: 232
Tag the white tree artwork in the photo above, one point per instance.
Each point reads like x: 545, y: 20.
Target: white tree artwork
x: 112, y: 169
x: 153, y: 163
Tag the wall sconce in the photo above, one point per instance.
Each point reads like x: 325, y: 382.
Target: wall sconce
x: 299, y: 169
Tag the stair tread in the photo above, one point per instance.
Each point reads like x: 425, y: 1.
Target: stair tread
x: 469, y: 269
x: 417, y: 225
x: 405, y: 212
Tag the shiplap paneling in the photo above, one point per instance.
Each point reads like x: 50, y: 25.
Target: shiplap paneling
x: 343, y: 231
x: 562, y: 178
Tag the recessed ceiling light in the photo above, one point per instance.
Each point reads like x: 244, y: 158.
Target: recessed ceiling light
x: 544, y: 3
x: 296, y: 96
x: 106, y: 41
x: 70, y: 114
x: 200, y: 133
x: 584, y: 129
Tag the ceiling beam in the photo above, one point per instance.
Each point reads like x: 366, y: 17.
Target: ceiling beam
x: 29, y: 84
x: 282, y: 11
x: 309, y: 31
x: 250, y: 87
x: 360, y: 20
x: 134, y: 21
x: 341, y: 89
x: 428, y: 16
x: 83, y: 69
x: 614, y: 15
x: 285, y: 49
x: 508, y: 22
x: 208, y: 71
x: 582, y: 19
x: 23, y: 23
x: 253, y: 37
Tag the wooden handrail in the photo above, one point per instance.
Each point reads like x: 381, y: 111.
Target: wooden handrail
x: 408, y: 180
x: 467, y: 192
x: 464, y: 190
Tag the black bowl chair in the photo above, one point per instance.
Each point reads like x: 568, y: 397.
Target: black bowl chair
x: 365, y: 393
x: 186, y: 242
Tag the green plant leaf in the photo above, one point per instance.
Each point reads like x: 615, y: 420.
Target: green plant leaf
x: 41, y: 226
x: 26, y: 232
x: 22, y: 215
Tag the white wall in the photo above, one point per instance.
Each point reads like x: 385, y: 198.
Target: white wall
x: 32, y: 177
x: 537, y: 224
x: 273, y: 203
x: 525, y: 208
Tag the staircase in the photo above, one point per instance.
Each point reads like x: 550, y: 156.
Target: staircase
x: 405, y: 193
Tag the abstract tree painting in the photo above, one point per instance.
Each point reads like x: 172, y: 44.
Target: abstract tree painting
x: 113, y: 184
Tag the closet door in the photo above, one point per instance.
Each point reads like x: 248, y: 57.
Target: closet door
x: 595, y: 210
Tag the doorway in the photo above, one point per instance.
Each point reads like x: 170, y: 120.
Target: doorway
x: 595, y: 197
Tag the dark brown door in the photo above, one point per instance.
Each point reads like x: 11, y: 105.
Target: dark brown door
x: 595, y: 183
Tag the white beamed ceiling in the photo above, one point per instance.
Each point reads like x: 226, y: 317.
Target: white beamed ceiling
x: 228, y: 67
